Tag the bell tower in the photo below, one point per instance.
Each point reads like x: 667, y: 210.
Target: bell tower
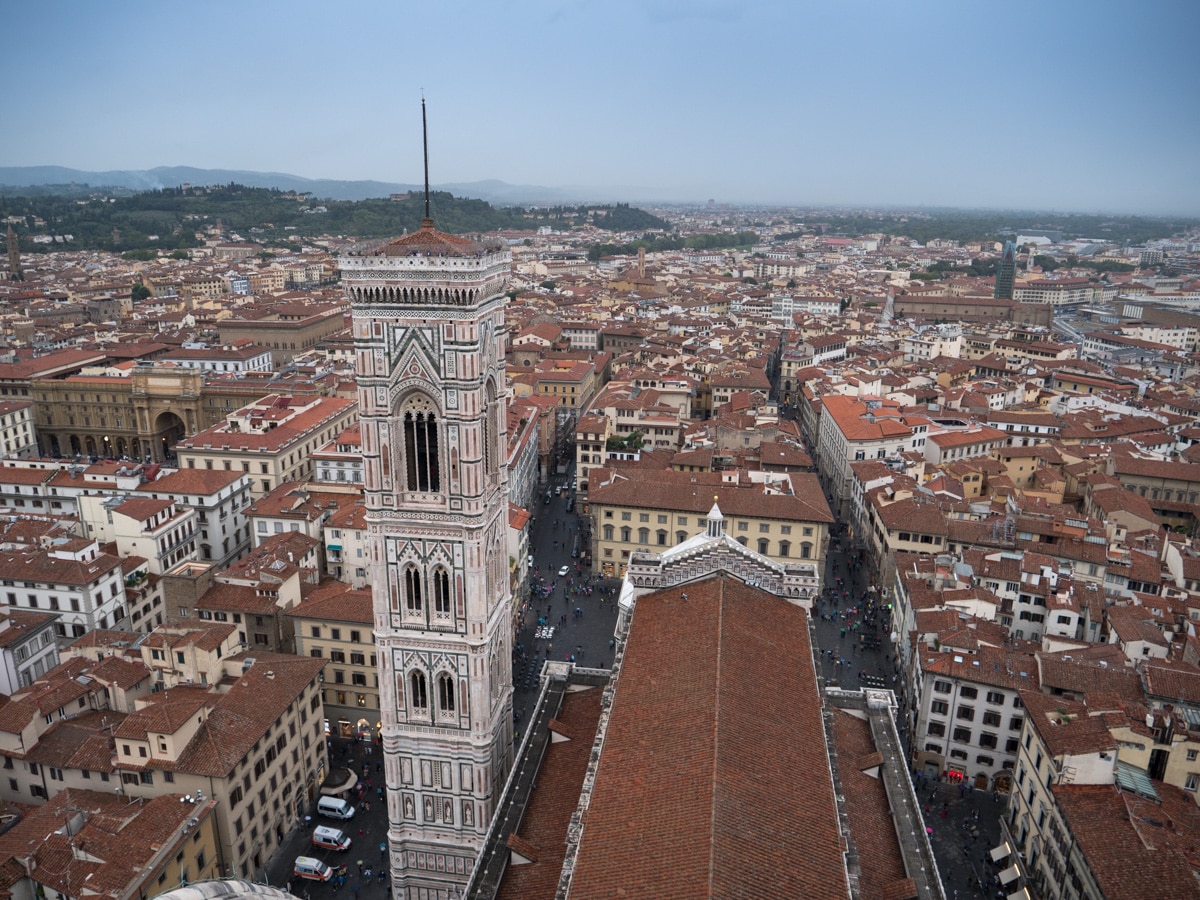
x: 428, y: 322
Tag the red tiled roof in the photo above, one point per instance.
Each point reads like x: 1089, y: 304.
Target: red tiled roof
x: 709, y: 786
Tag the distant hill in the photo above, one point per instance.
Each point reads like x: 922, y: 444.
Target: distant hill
x: 168, y: 218
x: 323, y: 188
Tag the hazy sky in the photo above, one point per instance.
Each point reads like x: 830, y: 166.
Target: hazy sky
x: 1055, y: 104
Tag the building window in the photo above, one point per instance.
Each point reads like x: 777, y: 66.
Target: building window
x: 418, y: 693
x: 1191, y: 782
x: 441, y: 593
x: 785, y: 548
x: 421, y: 465
x: 962, y: 735
x: 991, y: 719
x: 967, y: 713
x: 608, y: 532
x: 939, y: 707
x: 412, y: 591
x: 445, y: 685
x: 763, y: 546
x: 806, y: 550
x: 936, y: 729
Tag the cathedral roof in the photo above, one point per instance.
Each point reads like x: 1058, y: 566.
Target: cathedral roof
x: 429, y: 241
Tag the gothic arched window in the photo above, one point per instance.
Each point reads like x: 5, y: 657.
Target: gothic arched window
x: 445, y: 693
x: 489, y: 431
x: 421, y: 465
x: 413, y: 600
x: 441, y: 593
x: 418, y: 692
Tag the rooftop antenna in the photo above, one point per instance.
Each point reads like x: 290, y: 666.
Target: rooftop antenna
x: 425, y: 146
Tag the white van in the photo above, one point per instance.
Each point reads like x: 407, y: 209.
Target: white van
x: 335, y: 808
x: 330, y: 838
x: 307, y: 867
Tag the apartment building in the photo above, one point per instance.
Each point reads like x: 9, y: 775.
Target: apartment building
x: 219, y: 499
x: 335, y: 622
x: 271, y: 440
x: 932, y: 343
x: 1061, y: 745
x: 591, y: 439
x: 340, y: 461
x: 258, y: 749
x: 27, y: 648
x: 967, y: 443
x: 256, y: 592
x: 852, y: 430
x: 154, y: 529
x: 83, y: 588
x: 970, y: 713
x: 345, y: 542
x: 16, y: 429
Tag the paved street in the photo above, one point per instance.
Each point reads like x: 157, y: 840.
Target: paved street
x: 852, y: 631
x: 589, y: 606
x: 366, y: 830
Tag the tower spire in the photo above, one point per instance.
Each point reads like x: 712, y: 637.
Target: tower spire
x: 428, y: 220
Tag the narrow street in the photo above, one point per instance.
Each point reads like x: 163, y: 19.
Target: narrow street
x: 582, y: 611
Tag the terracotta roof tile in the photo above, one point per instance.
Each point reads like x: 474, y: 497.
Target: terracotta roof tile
x: 724, y: 795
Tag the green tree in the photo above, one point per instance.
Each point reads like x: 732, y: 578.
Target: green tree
x: 139, y: 292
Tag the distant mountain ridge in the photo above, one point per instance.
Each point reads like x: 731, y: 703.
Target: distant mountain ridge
x: 492, y: 190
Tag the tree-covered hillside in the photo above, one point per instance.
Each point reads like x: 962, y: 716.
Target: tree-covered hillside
x: 169, y: 219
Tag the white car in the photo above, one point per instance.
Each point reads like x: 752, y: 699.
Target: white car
x: 564, y: 571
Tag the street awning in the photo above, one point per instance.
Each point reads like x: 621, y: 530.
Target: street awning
x: 998, y: 853
x: 1022, y: 894
x: 1009, y: 875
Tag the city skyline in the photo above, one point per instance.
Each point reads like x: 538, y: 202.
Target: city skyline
x: 1071, y: 107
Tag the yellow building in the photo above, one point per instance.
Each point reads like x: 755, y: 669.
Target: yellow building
x: 336, y: 623
x: 271, y: 440
x: 783, y: 516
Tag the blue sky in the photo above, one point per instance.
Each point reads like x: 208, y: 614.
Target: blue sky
x: 1063, y: 105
